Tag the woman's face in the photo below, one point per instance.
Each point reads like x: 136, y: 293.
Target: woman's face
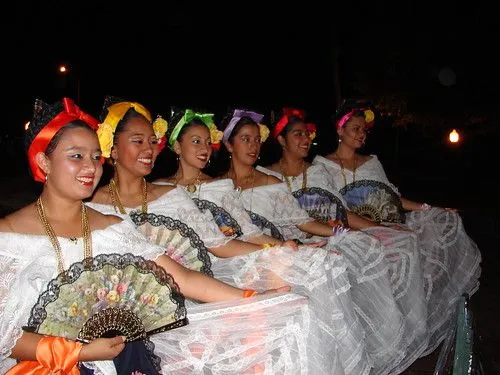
x: 195, y: 146
x: 354, y: 132
x: 136, y: 147
x: 246, y: 143
x: 296, y: 142
x: 74, y: 167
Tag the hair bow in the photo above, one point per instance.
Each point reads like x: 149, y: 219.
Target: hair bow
x: 69, y: 113
x: 206, y: 118
x: 106, y: 131
x: 237, y: 115
x: 293, y: 112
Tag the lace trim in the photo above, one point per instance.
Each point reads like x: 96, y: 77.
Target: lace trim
x: 174, y: 224
x: 227, y: 224
x: 316, y: 211
x: 263, y: 223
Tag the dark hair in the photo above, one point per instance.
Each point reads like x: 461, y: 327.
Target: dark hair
x: 177, y: 116
x: 57, y: 137
x: 352, y: 105
x: 241, y: 123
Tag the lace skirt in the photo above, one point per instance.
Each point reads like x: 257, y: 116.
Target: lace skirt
x: 400, y: 253
x: 450, y: 264
x: 335, y: 338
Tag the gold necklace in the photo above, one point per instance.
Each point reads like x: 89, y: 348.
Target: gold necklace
x: 342, y: 168
x: 249, y: 177
x: 191, y: 187
x: 115, y: 196
x: 285, y: 177
x: 87, y: 243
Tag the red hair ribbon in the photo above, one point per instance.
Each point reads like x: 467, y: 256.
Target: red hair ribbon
x: 287, y: 113
x: 70, y: 113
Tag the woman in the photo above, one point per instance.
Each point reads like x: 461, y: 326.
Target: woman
x: 270, y: 199
x: 318, y: 274
x: 44, y: 238
x: 450, y: 259
x: 130, y: 123
x: 314, y: 191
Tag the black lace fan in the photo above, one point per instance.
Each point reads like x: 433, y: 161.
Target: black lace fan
x: 180, y: 241
x: 109, y: 295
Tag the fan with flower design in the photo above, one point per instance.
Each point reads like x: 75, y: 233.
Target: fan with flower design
x: 106, y: 296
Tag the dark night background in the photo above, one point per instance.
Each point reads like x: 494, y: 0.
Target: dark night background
x: 428, y: 67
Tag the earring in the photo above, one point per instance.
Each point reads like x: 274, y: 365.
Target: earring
x: 114, y: 162
x: 209, y: 160
x: 46, y: 177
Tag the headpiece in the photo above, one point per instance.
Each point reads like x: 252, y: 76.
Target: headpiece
x: 356, y: 107
x: 47, y: 121
x: 115, y: 113
x: 293, y: 112
x: 206, y: 118
x: 238, y: 114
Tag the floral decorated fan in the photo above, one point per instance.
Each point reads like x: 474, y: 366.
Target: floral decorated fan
x: 181, y: 242
x: 374, y: 200
x: 106, y: 296
x: 322, y: 205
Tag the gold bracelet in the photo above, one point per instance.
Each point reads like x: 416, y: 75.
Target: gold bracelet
x: 268, y: 245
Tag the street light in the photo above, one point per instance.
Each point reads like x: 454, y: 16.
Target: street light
x: 65, y: 70
x: 454, y: 136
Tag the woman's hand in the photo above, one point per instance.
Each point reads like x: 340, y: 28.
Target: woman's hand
x: 290, y: 243
x: 102, y: 349
x: 316, y: 244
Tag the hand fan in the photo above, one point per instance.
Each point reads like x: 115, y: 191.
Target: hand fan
x: 226, y: 223
x: 181, y: 242
x: 265, y: 225
x: 322, y: 205
x: 374, y: 200
x: 109, y: 295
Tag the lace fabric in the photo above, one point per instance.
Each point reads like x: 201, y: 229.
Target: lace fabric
x: 263, y: 334
x: 450, y: 259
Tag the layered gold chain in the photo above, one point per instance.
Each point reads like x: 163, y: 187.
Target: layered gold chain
x: 285, y: 177
x: 87, y: 241
x: 115, y: 196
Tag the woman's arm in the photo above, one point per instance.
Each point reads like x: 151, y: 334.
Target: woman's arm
x: 99, y: 349
x: 200, y: 287
x: 357, y: 222
x: 414, y: 206
x: 234, y: 248
x: 316, y: 228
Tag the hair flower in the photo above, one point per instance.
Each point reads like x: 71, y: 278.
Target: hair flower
x: 264, y: 132
x: 215, y: 134
x: 105, y: 135
x: 311, y: 128
x: 369, y: 116
x: 160, y: 127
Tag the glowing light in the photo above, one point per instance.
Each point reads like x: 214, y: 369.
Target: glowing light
x: 454, y: 137
x: 63, y: 69
x: 26, y: 126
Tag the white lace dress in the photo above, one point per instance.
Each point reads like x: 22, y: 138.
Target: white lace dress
x: 450, y: 259
x: 264, y: 334
x: 371, y: 289
x: 318, y: 274
x: 323, y: 202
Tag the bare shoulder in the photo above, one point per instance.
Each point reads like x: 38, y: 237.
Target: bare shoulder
x: 99, y: 220
x: 23, y: 220
x: 364, y: 158
x: 157, y: 191
x: 270, y: 179
x: 274, y: 167
x: 164, y: 180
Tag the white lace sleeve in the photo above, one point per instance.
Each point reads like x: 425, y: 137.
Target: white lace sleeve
x: 378, y: 170
x: 10, y: 314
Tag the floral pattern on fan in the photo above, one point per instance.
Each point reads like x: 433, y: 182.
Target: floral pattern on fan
x: 374, y: 200
x: 108, y: 295
x: 322, y: 205
x: 181, y: 242
x: 227, y: 224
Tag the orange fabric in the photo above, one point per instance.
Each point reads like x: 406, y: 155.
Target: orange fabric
x: 249, y: 293
x: 55, y: 355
